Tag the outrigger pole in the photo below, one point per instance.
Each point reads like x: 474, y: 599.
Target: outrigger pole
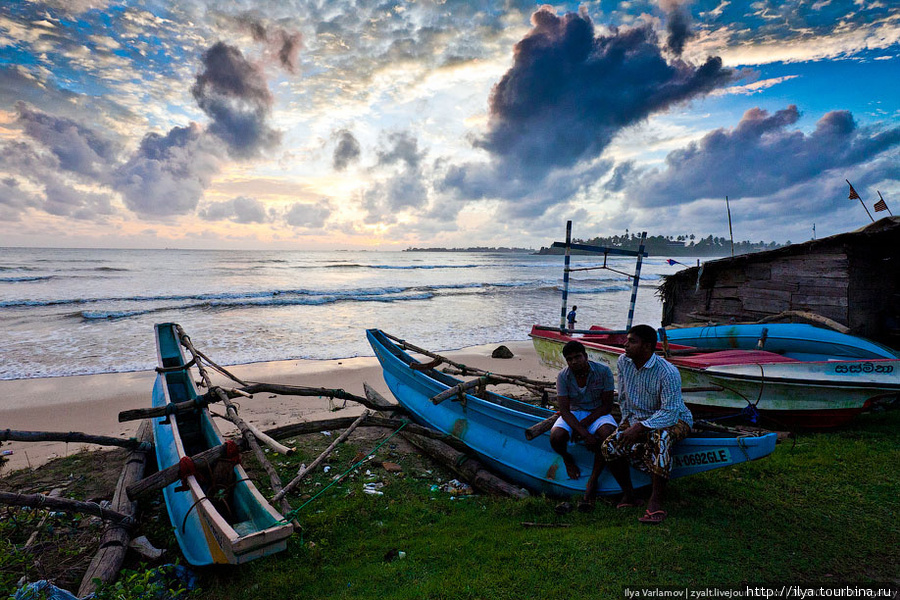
x: 569, y: 246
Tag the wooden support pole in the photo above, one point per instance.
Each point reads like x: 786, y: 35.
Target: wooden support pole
x: 460, y: 389
x: 466, y: 370
x: 74, y: 437
x: 343, y: 422
x: 66, y: 505
x: 250, y: 439
x: 114, y: 541
x: 459, y: 462
x: 253, y: 388
x: 161, y: 479
x: 303, y: 472
x: 540, y: 428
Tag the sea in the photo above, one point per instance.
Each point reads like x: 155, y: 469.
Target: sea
x: 86, y: 311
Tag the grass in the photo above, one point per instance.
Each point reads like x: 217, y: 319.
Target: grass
x: 821, y: 509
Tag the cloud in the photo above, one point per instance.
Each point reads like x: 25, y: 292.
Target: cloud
x: 78, y: 148
x: 14, y: 200
x: 239, y: 210
x: 284, y: 44
x: 569, y: 92
x: 234, y: 94
x: 761, y: 155
x: 400, y: 147
x: 168, y: 174
x: 64, y: 201
x: 678, y: 25
x: 310, y: 216
x: 346, y: 151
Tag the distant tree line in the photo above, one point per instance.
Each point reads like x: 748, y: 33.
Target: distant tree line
x: 472, y: 249
x: 681, y: 245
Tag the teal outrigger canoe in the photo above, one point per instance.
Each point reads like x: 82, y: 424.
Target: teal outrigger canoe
x: 237, y: 524
x: 493, y: 427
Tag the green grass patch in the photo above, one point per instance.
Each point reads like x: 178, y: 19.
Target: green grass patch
x: 823, y: 508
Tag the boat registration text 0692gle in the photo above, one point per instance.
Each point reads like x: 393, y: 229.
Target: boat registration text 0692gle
x: 716, y: 456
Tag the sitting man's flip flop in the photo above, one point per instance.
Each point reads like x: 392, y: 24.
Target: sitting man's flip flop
x: 653, y: 518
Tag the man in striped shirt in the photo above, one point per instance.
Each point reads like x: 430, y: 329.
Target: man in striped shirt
x: 654, y: 419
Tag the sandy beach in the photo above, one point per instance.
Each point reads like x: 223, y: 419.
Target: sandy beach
x: 91, y: 403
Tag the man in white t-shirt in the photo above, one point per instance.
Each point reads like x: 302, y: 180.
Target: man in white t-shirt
x: 585, y: 397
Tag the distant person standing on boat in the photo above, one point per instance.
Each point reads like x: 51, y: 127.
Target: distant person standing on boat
x: 585, y: 397
x: 571, y: 318
x: 654, y: 419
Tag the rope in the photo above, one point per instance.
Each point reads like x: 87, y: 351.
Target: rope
x: 293, y: 514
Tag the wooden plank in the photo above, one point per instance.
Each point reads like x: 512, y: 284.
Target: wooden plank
x: 766, y: 305
x: 804, y: 282
x: 770, y: 284
x: 764, y: 294
x: 804, y: 302
x: 725, y: 292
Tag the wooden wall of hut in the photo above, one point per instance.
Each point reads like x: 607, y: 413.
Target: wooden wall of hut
x: 851, y: 278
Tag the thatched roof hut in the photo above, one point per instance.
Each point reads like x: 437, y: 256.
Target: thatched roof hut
x: 852, y: 279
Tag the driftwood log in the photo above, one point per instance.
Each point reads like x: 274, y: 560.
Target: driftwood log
x: 114, y: 541
x: 539, y: 429
x: 73, y: 437
x: 459, y: 462
x: 66, y: 505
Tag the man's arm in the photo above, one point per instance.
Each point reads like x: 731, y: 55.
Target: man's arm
x: 565, y: 411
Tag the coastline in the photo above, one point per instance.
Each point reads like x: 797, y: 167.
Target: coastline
x: 91, y: 403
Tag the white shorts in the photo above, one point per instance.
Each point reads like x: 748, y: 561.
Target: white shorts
x: 581, y: 414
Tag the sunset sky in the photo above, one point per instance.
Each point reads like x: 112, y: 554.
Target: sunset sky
x: 388, y: 124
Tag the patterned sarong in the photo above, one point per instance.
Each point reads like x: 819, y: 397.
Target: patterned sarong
x: 651, y: 454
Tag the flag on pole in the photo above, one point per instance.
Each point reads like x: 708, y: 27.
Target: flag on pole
x: 880, y: 205
x: 674, y: 262
x: 853, y: 194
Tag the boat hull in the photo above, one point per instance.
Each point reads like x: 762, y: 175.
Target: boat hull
x: 494, y: 429
x: 787, y: 392
x: 796, y: 340
x: 252, y: 528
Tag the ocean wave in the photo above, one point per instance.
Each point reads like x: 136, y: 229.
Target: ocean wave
x: 25, y: 278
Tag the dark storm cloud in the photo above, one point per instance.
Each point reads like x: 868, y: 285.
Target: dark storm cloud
x: 570, y: 92
x: 401, y: 192
x: 678, y: 26
x: 78, y: 148
x: 234, y: 94
x: 346, y: 150
x: 761, y: 156
x: 240, y: 210
x: 168, y: 174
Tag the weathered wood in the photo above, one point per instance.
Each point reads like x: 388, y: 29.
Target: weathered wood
x: 66, y: 505
x: 73, y: 437
x: 466, y: 370
x: 304, y: 471
x: 114, y: 541
x: 161, y: 479
x: 808, y: 316
x: 459, y: 462
x: 539, y: 429
x: 462, y: 388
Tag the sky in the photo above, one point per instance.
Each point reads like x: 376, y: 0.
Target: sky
x: 356, y: 124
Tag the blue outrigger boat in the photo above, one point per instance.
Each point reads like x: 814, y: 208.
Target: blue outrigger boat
x: 799, y: 341
x: 228, y: 521
x: 493, y: 427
